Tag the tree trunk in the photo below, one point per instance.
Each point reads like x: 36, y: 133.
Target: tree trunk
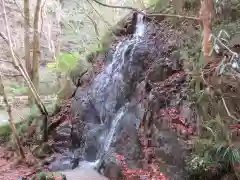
x: 20, y: 67
x: 206, y: 14
x: 36, y: 46
x: 10, y: 120
x: 28, y: 60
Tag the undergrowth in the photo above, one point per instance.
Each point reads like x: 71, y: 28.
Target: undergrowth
x: 215, y: 148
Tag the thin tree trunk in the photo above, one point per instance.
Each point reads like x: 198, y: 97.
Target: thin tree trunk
x: 19, y: 66
x: 36, y: 46
x: 10, y: 120
x: 206, y: 17
x: 28, y: 60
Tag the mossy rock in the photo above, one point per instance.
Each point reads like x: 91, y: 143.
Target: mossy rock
x: 48, y: 176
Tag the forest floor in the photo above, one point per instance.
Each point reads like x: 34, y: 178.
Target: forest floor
x: 11, y: 169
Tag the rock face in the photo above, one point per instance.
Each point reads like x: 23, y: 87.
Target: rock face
x: 144, y: 68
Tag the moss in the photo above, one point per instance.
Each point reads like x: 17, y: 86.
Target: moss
x: 48, y: 176
x: 5, y: 131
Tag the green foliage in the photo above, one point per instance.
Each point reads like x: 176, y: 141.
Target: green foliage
x: 6, y: 132
x: 200, y: 168
x: 225, y: 154
x: 214, y: 150
x: 64, y: 62
x: 98, y: 49
x: 215, y: 161
x: 18, y: 89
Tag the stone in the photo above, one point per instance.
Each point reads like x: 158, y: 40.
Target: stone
x: 113, y: 171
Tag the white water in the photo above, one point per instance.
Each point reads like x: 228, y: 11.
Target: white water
x: 110, y: 136
x: 112, y: 75
x: 111, y: 79
x: 140, y: 26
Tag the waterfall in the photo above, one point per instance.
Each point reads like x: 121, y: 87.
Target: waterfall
x: 111, y: 79
x: 107, y: 87
x: 115, y: 121
x: 140, y: 26
x: 139, y: 32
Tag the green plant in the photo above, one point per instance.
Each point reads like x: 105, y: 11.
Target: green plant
x: 214, y: 150
x: 64, y: 62
x: 18, y: 89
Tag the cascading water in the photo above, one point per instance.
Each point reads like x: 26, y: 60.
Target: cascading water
x: 107, y: 103
x: 111, y: 79
x: 109, y: 138
x: 114, y: 74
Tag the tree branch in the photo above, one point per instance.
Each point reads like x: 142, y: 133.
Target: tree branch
x: 100, y: 15
x: 10, y: 120
x: 94, y: 25
x: 118, y: 7
x: 148, y: 15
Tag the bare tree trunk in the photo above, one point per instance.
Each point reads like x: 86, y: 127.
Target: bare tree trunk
x: 10, y: 120
x: 28, y: 60
x: 206, y: 14
x: 19, y: 66
x: 36, y: 46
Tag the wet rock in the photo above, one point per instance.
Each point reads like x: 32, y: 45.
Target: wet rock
x: 126, y: 140
x: 159, y: 71
x: 62, y: 133
x: 95, y: 139
x: 42, y: 151
x: 61, y: 162
x: 96, y: 108
x: 171, y: 153
x: 113, y: 171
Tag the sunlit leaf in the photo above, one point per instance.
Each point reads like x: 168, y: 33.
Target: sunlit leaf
x: 67, y: 61
x: 52, y: 65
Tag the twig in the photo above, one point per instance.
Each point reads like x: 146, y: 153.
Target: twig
x: 94, y: 25
x: 20, y: 10
x: 4, y: 37
x: 228, y: 112
x: 10, y: 120
x: 148, y: 15
x: 172, y: 15
x: 118, y: 7
x: 100, y: 15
